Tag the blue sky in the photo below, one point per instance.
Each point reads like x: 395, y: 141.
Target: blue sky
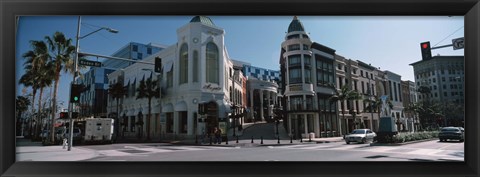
x: 391, y: 43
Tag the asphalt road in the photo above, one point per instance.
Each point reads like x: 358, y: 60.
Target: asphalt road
x: 337, y: 151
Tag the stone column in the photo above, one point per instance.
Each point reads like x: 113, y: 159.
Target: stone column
x: 251, y: 103
x: 305, y: 124
x: 261, y: 105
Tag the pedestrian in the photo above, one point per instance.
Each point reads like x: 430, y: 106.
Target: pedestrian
x: 218, y: 135
x: 204, y: 135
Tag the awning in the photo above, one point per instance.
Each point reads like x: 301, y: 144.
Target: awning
x: 181, y: 106
x: 168, y: 67
x: 167, y: 108
x: 223, y: 108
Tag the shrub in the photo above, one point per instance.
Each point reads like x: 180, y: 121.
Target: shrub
x: 407, y: 136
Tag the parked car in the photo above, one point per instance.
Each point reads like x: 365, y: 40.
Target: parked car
x: 452, y: 133
x: 360, y: 135
x: 77, y: 134
x: 45, y: 134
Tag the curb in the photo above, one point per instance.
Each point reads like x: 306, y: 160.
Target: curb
x: 400, y: 144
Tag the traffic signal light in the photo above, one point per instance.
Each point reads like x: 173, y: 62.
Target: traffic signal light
x: 75, y: 93
x: 426, y: 51
x: 158, y: 64
x: 63, y: 115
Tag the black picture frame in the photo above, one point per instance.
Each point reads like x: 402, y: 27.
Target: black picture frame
x: 10, y: 9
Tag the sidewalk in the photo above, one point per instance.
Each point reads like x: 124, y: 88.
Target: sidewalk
x: 34, y: 151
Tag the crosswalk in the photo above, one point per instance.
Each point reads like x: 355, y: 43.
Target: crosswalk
x: 376, y: 149
x: 146, y: 150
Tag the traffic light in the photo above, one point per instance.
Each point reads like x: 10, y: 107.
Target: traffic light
x: 63, y: 115
x: 426, y: 51
x: 158, y: 64
x: 75, y: 93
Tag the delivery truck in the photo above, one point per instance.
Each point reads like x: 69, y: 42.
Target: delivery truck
x: 97, y: 130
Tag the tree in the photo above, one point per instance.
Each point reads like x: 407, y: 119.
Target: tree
x: 21, y: 105
x: 117, y: 91
x: 36, y: 73
x: 345, y: 94
x: 376, y: 104
x: 148, y: 89
x: 60, y: 54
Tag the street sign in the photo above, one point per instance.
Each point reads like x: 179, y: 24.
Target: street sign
x: 458, y: 43
x: 90, y: 63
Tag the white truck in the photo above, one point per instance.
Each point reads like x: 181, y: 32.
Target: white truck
x: 97, y: 130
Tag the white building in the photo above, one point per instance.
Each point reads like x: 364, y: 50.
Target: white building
x: 197, y: 69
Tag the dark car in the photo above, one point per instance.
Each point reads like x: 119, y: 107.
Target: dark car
x: 452, y: 133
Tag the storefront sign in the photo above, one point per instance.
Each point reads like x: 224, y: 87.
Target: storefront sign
x: 212, y: 88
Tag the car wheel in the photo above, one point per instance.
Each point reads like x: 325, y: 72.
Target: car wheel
x: 462, y: 140
x: 347, y: 142
x: 364, y: 140
x: 441, y: 140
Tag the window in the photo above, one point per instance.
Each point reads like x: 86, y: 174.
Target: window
x: 443, y: 79
x: 445, y: 94
x: 169, y: 122
x: 294, y: 47
x: 295, y: 76
x: 183, y: 121
x: 139, y: 56
x: 308, y: 76
x: 436, y: 95
x: 296, y: 103
x: 294, y: 36
x: 183, y: 71
x: 339, y: 66
x: 294, y: 60
x: 361, y: 73
x: 307, y: 60
x: 434, y: 87
x: 149, y: 50
x: 170, y: 78
x: 134, y: 48
x: 212, y: 67
x: 444, y: 86
x: 195, y: 66
x: 305, y: 47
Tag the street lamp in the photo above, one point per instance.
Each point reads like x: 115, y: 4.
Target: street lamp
x: 75, y: 74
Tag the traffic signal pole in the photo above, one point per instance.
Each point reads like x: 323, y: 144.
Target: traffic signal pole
x: 75, y: 72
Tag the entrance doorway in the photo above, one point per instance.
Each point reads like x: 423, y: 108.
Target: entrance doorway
x: 212, y: 116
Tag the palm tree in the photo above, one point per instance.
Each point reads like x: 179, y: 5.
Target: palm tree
x: 148, y: 89
x: 21, y: 105
x: 43, y: 79
x: 61, y: 52
x: 117, y: 91
x: 36, y: 60
x: 345, y: 94
x: 376, y: 104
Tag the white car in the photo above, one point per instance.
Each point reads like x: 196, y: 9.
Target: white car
x: 360, y: 135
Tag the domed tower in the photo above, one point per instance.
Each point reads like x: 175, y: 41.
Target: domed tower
x: 297, y: 64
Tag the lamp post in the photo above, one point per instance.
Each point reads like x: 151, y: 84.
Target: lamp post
x: 75, y: 73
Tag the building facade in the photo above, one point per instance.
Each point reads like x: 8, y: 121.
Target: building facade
x: 308, y: 79
x: 133, y: 51
x: 441, y: 80
x: 93, y: 100
x: 197, y: 69
x: 395, y: 96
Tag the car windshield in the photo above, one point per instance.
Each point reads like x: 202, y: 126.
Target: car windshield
x: 358, y: 132
x: 450, y: 129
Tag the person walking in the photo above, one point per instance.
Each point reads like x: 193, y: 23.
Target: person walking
x: 218, y: 135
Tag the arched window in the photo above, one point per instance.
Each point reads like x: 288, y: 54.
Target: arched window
x: 195, y: 66
x: 212, y: 67
x: 183, y: 71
